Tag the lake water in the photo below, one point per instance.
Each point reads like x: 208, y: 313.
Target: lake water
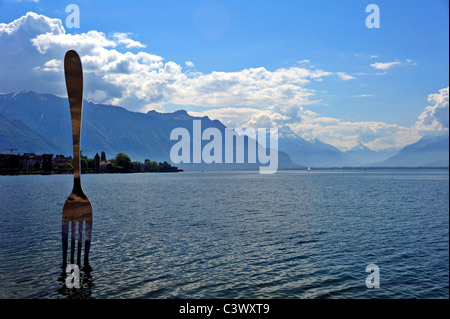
x: 294, y: 234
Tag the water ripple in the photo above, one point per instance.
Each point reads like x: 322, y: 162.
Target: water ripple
x: 233, y: 235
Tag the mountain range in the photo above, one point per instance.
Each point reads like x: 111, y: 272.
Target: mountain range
x: 40, y: 123
x: 428, y: 151
x: 312, y: 152
x: 364, y: 155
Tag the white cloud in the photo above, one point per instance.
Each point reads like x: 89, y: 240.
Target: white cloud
x: 347, y: 134
x: 388, y: 65
x: 234, y: 116
x: 22, y: 67
x: 342, y: 134
x: 140, y: 79
x: 344, y: 76
x: 52, y: 65
x: 122, y: 38
x: 377, y: 135
x: 32, y: 49
x: 434, y: 119
x: 410, y: 62
x: 384, y: 65
x: 85, y: 42
x: 32, y: 23
x: 257, y: 87
x: 308, y: 124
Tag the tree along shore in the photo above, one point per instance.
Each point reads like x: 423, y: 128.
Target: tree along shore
x: 30, y: 164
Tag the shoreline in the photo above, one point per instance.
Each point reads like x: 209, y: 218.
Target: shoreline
x: 82, y: 173
x: 235, y: 170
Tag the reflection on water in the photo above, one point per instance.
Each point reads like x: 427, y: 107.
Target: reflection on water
x: 233, y: 235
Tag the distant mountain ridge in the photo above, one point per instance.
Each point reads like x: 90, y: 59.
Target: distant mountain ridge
x: 39, y: 123
x: 313, y: 152
x: 16, y: 135
x: 106, y: 128
x: 428, y: 151
x: 364, y: 155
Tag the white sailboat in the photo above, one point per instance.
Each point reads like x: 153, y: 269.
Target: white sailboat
x: 309, y: 169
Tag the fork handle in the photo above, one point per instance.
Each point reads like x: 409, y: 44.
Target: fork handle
x: 74, y: 84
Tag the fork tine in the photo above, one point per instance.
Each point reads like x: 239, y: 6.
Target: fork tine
x: 65, y: 235
x: 80, y: 237
x: 72, y: 242
x: 87, y: 241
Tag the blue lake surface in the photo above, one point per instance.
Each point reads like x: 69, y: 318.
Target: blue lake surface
x: 293, y: 234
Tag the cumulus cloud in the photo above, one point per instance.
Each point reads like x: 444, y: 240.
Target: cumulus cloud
x: 52, y: 65
x: 122, y: 38
x: 342, y: 134
x: 308, y: 124
x: 346, y: 134
x: 256, y: 87
x: 22, y: 66
x: 32, y: 50
x: 138, y: 79
x: 276, y: 116
x: 434, y: 119
x: 345, y: 76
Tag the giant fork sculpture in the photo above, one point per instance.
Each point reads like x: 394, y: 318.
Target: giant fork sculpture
x: 77, y: 208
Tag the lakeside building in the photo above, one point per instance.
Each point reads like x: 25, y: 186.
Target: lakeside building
x: 103, y: 165
x: 61, y: 161
x: 30, y: 161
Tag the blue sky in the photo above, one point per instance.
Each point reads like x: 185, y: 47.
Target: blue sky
x: 311, y: 65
